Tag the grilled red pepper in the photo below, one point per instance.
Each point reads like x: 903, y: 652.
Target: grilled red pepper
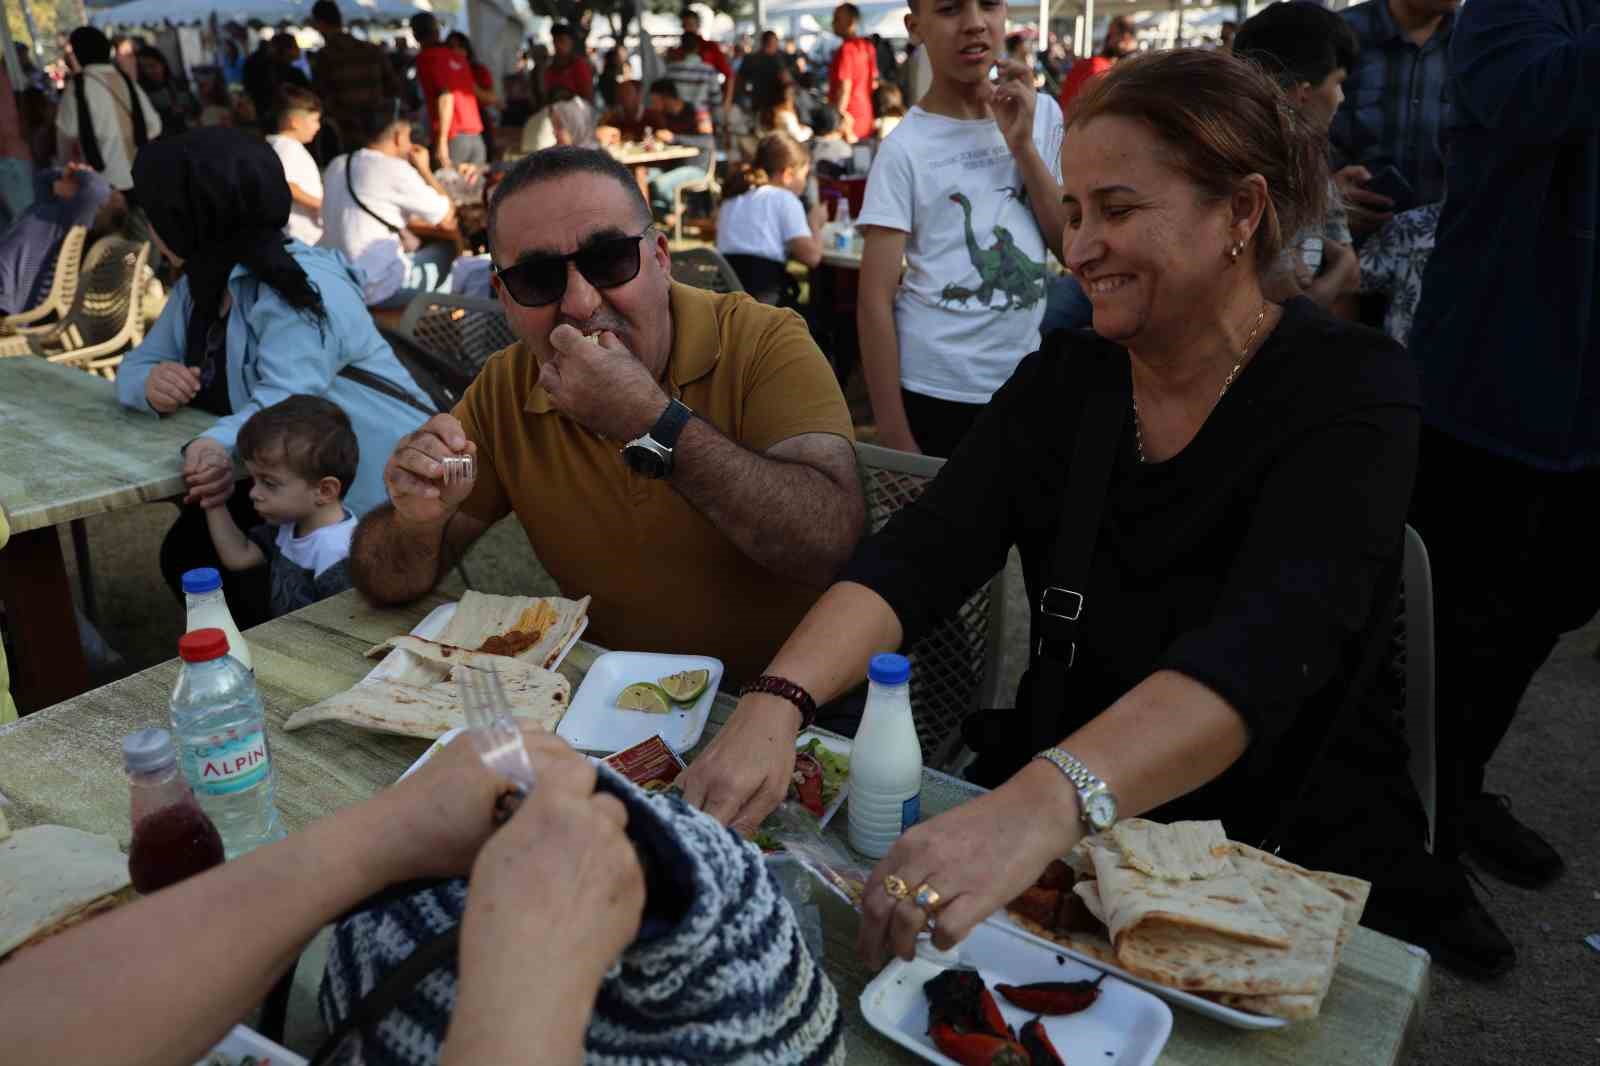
x: 960, y: 999
x: 808, y: 782
x: 1053, y: 997
x: 977, y: 1049
x: 1036, y: 1042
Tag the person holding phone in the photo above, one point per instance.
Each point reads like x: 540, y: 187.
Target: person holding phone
x: 1395, y: 105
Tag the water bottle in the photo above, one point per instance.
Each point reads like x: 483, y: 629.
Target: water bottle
x: 885, y: 761
x: 208, y: 609
x: 222, y: 742
x: 844, y: 233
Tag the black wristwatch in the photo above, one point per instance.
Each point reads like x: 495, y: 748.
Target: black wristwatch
x: 651, y: 455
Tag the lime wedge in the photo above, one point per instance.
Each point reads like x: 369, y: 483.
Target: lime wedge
x: 685, y: 687
x: 643, y: 696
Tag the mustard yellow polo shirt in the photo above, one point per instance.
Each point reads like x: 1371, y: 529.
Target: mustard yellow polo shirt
x: 662, y: 577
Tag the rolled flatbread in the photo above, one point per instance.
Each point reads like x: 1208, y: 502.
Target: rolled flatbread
x: 51, y: 877
x: 531, y: 628
x: 429, y: 711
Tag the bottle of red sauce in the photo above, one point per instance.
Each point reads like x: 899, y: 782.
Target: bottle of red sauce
x: 172, y: 837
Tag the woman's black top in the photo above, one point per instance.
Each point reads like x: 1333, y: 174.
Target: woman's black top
x: 1258, y: 561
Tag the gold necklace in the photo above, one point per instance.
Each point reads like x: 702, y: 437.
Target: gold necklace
x: 1244, y: 354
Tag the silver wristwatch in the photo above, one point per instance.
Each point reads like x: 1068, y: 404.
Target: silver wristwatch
x: 1097, y: 805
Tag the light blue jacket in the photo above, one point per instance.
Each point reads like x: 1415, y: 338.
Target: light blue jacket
x: 275, y: 351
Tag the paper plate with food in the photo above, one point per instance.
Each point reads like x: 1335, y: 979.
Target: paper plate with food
x: 413, y: 692
x: 627, y: 697
x: 1215, y: 926
x: 1000, y: 997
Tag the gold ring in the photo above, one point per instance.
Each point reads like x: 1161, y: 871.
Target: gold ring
x: 926, y: 898
x: 896, y: 887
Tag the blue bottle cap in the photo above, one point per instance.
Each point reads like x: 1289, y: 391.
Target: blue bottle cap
x: 205, y: 579
x: 889, y: 669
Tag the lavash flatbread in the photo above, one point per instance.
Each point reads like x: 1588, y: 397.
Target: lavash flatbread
x: 429, y: 711
x: 1091, y: 944
x: 1352, y: 894
x: 52, y: 875
x: 531, y: 628
x: 1193, y: 959
x: 1225, y: 905
x: 1180, y: 851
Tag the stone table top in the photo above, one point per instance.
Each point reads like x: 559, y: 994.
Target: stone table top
x: 62, y: 765
x: 69, y: 450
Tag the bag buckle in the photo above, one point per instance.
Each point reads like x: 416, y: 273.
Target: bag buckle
x: 1061, y: 603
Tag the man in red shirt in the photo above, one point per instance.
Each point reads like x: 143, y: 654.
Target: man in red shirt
x: 569, y: 69
x: 709, y: 53
x: 854, y: 74
x: 452, y: 95
x: 1120, y: 41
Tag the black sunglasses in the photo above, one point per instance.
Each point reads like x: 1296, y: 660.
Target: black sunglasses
x: 605, y: 264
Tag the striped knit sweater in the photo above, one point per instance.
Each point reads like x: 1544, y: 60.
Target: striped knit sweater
x: 728, y: 981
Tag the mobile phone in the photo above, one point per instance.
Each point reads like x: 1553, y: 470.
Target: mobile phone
x: 1393, y: 184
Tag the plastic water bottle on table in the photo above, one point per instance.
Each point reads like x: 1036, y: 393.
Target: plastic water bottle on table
x: 222, y: 742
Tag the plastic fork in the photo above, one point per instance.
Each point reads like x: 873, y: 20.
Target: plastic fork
x: 493, y: 730
x: 458, y: 468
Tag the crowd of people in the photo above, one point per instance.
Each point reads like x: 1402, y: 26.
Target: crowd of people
x: 1198, y: 331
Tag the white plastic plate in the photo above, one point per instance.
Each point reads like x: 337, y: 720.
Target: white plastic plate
x: 839, y: 746
x: 594, y: 723
x: 1124, y: 1027
x: 241, y: 1042
x: 1239, y: 1019
x: 431, y: 626
x: 433, y: 749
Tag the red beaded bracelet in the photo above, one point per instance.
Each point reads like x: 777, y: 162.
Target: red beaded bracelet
x: 783, y: 688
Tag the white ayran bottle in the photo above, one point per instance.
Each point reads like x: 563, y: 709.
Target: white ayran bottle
x: 202, y: 589
x: 885, y: 761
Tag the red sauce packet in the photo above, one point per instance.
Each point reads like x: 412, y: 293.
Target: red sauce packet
x: 650, y: 764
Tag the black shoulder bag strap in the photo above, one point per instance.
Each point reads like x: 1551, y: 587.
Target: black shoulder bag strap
x: 350, y: 186
x: 1059, y: 612
x: 86, y: 138
x: 141, y: 134
x: 379, y: 383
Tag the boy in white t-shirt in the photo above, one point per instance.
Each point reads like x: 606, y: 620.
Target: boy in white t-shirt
x: 302, y: 454
x: 965, y: 193
x: 299, y: 119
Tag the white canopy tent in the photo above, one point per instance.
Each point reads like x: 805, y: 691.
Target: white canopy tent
x: 272, y: 12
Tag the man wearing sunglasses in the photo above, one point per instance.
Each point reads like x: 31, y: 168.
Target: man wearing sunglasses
x: 682, y: 457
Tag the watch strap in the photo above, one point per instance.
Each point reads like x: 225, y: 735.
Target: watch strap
x: 1081, y: 777
x: 783, y: 688
x: 670, y: 425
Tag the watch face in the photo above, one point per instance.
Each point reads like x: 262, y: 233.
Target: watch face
x: 644, y: 462
x: 1102, y: 810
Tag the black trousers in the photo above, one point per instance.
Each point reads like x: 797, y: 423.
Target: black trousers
x: 1512, y: 550
x: 938, y: 425
x: 187, y: 546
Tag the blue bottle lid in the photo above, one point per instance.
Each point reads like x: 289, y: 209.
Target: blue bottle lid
x: 205, y: 579
x: 889, y: 669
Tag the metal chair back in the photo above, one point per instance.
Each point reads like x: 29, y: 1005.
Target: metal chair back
x: 955, y: 668
x: 461, y: 331
x: 704, y: 268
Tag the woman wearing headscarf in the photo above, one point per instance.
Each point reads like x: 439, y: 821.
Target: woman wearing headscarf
x: 104, y: 118
x: 257, y: 317
x: 168, y: 92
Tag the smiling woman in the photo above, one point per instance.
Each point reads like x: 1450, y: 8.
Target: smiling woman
x: 1208, y: 494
